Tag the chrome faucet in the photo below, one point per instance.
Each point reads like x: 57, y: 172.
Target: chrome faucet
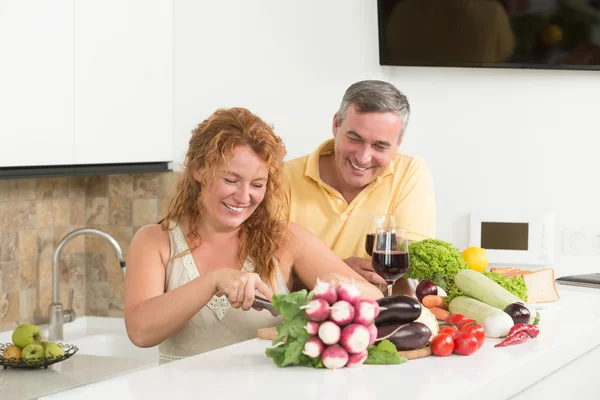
x: 57, y: 316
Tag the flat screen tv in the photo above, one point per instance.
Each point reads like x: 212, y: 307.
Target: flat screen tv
x: 545, y: 34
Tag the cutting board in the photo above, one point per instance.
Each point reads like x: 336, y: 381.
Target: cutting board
x: 271, y: 333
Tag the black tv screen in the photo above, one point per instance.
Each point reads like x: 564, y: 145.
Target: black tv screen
x: 546, y: 34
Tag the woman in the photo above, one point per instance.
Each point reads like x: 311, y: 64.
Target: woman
x: 191, y: 279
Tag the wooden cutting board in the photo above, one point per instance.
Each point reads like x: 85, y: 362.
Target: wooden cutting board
x: 271, y: 333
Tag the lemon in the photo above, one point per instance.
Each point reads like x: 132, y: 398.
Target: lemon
x: 476, y: 257
x: 552, y: 34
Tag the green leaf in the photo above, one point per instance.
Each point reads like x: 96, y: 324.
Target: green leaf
x: 277, y: 354
x: 289, y: 304
x: 384, y: 353
x: 293, y: 352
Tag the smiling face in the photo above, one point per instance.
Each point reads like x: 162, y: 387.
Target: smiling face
x: 238, y: 189
x: 365, y: 144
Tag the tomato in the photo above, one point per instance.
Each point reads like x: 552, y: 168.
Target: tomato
x: 465, y: 343
x: 442, y: 345
x: 450, y: 330
x: 455, y: 319
x: 464, y: 322
x: 477, y: 331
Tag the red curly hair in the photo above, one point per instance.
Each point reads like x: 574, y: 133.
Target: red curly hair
x: 212, y: 145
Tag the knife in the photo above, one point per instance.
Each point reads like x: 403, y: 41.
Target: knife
x: 261, y: 302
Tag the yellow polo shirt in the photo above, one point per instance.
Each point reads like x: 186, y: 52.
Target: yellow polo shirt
x: 404, y: 189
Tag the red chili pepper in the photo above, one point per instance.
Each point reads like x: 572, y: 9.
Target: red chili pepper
x: 531, y: 330
x: 518, y: 337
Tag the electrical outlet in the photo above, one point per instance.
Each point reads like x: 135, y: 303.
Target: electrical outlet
x: 581, y: 242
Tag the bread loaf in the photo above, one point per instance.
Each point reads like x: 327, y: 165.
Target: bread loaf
x: 540, y: 284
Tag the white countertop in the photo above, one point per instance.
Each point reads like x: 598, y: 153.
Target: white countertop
x: 569, y: 329
x: 104, y: 352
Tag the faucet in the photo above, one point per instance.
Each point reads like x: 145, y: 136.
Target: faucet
x: 57, y: 316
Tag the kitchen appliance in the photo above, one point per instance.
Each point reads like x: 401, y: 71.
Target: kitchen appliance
x: 514, y: 237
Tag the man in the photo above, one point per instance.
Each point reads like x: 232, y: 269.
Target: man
x: 333, y: 191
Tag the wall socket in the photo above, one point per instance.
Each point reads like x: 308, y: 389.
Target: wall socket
x: 581, y: 242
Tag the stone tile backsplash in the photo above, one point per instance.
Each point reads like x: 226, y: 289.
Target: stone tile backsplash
x: 35, y: 214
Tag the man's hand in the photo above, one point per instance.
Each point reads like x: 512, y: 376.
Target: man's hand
x: 364, y: 268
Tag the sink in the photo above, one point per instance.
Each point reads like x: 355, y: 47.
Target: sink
x: 99, y: 336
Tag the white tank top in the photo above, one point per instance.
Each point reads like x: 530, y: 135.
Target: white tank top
x: 217, y: 324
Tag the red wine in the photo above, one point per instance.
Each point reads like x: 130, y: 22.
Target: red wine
x: 369, y: 242
x: 390, y: 265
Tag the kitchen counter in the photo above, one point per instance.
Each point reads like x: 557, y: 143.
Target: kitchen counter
x: 569, y: 333
x: 104, y: 352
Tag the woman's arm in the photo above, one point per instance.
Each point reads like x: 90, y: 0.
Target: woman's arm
x: 151, y: 315
x: 312, y: 259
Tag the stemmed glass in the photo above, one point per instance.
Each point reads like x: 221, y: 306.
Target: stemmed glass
x: 390, y: 252
x: 377, y: 221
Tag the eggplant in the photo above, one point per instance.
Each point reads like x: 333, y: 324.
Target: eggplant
x: 399, y: 309
x: 518, y: 312
x: 405, y: 337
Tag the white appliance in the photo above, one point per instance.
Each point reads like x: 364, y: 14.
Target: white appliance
x: 514, y: 237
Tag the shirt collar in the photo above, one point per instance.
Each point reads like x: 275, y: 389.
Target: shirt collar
x: 312, y: 166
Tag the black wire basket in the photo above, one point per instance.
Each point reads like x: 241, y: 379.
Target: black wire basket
x: 41, y: 362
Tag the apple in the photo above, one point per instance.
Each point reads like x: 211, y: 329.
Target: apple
x: 53, y: 350
x: 12, y: 351
x: 33, y: 351
x: 26, y: 334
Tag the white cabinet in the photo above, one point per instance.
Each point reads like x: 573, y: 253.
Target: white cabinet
x: 123, y: 81
x: 36, y: 82
x: 85, y: 82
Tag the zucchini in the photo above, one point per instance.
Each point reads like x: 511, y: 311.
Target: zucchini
x: 496, y: 322
x: 475, y: 284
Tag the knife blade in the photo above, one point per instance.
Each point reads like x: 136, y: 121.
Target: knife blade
x: 261, y: 302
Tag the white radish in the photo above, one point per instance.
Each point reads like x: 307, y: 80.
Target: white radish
x: 329, y: 333
x: 334, y: 357
x: 348, y: 292
x: 313, y: 347
x: 365, y: 313
x: 356, y: 359
x: 374, y: 304
x: 355, y: 338
x: 316, y: 310
x: 324, y: 290
x: 342, y: 313
x: 372, y: 333
x: 312, y: 327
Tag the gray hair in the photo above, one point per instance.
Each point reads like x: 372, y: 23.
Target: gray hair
x: 376, y: 96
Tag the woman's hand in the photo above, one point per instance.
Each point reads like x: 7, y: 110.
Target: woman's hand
x: 239, y: 286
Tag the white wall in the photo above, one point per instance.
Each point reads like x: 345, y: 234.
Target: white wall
x: 493, y: 138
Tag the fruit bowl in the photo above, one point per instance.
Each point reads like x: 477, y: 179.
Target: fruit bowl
x: 41, y: 362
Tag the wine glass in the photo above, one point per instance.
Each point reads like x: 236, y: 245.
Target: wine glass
x: 377, y: 221
x: 390, y: 253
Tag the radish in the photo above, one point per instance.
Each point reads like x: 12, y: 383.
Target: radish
x: 355, y: 338
x: 312, y: 327
x: 348, y: 292
x: 335, y: 357
x: 324, y: 290
x: 356, y: 359
x: 374, y: 304
x: 329, y: 332
x: 365, y: 313
x: 316, y: 310
x: 313, y: 347
x: 372, y: 328
x: 342, y: 313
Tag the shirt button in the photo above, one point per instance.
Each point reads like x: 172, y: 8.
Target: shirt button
x: 339, y: 201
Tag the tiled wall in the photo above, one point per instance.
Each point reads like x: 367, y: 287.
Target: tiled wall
x: 35, y: 214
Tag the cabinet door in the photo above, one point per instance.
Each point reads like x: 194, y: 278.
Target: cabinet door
x: 123, y: 81
x: 36, y: 82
